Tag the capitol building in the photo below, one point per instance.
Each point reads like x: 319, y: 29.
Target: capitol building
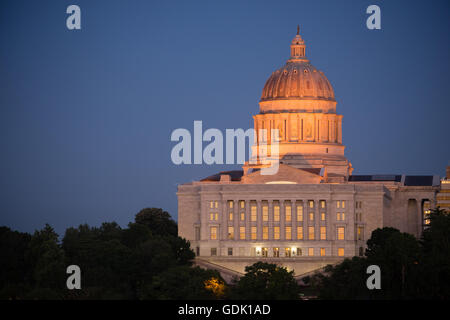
x: 313, y: 211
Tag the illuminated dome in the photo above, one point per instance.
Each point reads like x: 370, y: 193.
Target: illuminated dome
x: 299, y: 84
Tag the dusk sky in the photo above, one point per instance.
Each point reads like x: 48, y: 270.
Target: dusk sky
x: 86, y: 115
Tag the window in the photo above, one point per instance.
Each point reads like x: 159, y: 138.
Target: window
x: 230, y: 204
x: 253, y: 233
x: 211, y: 204
x: 361, y: 251
x: 311, y: 233
x: 322, y: 216
x: 322, y: 252
x: 242, y: 233
x: 253, y: 213
x: 230, y: 216
x: 299, y: 233
x: 311, y: 216
x: 276, y: 213
x: 323, y: 233
x: 299, y: 251
x: 311, y: 252
x: 230, y: 233
x: 242, y: 216
x: 265, y: 233
x: 360, y: 233
x: 338, y: 216
x: 213, y: 216
x: 322, y: 204
x: 343, y: 204
x: 338, y: 204
x: 288, y: 214
x: 276, y: 252
x: 299, y: 212
x: 213, y: 233
x: 214, y: 251
x: 341, y: 233
x: 264, y: 252
x: 340, y: 252
x: 197, y: 251
x: 311, y: 203
x: 276, y: 233
x: 230, y: 251
x: 265, y: 213
x: 242, y: 204
x: 287, y: 252
x: 343, y: 215
x: 197, y: 233
x: 288, y: 233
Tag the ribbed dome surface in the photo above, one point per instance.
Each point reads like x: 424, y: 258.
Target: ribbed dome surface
x: 297, y: 80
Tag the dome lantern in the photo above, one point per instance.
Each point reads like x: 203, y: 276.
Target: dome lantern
x: 298, y: 46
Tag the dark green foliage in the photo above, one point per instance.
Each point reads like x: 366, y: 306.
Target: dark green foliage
x: 410, y: 269
x: 158, y: 221
x: 266, y: 281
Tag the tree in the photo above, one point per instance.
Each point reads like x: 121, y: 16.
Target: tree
x: 266, y: 281
x: 158, y: 221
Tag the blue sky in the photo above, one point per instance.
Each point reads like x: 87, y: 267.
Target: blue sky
x: 86, y: 116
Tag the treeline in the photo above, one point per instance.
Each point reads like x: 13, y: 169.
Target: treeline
x: 410, y: 268
x: 147, y: 260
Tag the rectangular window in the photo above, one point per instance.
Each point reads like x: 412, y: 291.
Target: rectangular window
x: 213, y: 233
x: 311, y: 203
x: 311, y: 216
x: 253, y: 233
x: 338, y: 216
x: 323, y: 233
x: 253, y: 213
x: 299, y: 233
x: 322, y: 216
x: 211, y: 204
x: 288, y: 233
x: 197, y: 251
x: 197, y: 233
x: 230, y: 204
x: 287, y: 252
x: 265, y: 233
x: 343, y: 216
x: 265, y: 213
x: 343, y: 204
x: 242, y: 233
x: 340, y: 252
x: 230, y: 251
x: 311, y: 233
x: 242, y: 204
x: 214, y: 251
x: 322, y: 204
x: 299, y: 213
x: 230, y: 233
x: 213, y: 216
x: 230, y: 216
x: 341, y: 233
x: 311, y: 252
x: 299, y: 251
x: 242, y: 216
x: 264, y: 252
x: 338, y: 204
x: 276, y: 213
x: 288, y: 214
x: 276, y: 233
x: 276, y: 252
x: 322, y: 252
x: 360, y: 233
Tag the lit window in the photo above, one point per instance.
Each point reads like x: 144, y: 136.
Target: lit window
x: 311, y: 252
x: 242, y: 216
x: 340, y: 252
x: 265, y: 213
x: 338, y: 216
x: 242, y: 233
x: 253, y: 233
x: 242, y: 204
x: 343, y: 204
x: 299, y: 233
x: 341, y: 233
x: 311, y: 203
x: 322, y: 204
x: 276, y: 213
x: 276, y: 233
x: 360, y: 233
x: 213, y: 233
x: 322, y: 216
x: 230, y: 233
x: 323, y: 233
x: 264, y: 252
x: 311, y: 233
x: 276, y: 252
x: 342, y: 216
x: 211, y: 204
x: 288, y: 233
x: 338, y: 204
x: 288, y: 213
x: 253, y: 213
x: 311, y: 216
x: 322, y: 251
x: 299, y: 213
x: 230, y: 204
x: 230, y: 216
x: 265, y: 233
x: 287, y: 252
